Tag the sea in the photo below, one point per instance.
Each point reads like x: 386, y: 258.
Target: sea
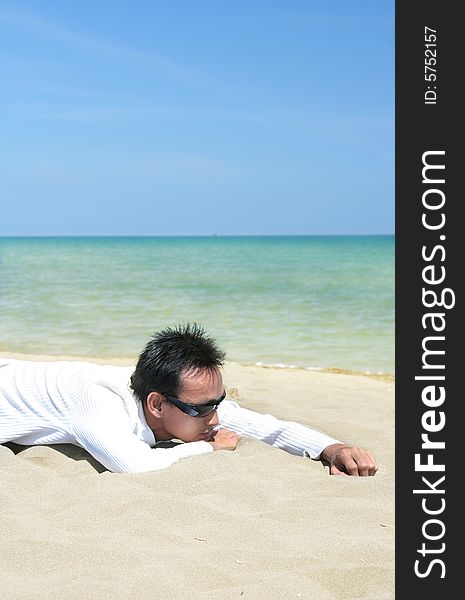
x: 312, y: 302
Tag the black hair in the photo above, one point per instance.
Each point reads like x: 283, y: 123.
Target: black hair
x: 171, y: 353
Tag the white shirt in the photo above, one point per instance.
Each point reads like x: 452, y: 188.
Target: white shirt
x: 92, y: 406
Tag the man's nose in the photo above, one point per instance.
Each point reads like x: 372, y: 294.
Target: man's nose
x: 213, y: 419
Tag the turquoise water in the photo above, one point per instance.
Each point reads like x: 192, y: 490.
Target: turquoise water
x: 307, y: 301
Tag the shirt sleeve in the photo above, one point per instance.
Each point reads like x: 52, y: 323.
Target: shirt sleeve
x: 287, y: 435
x: 102, y: 426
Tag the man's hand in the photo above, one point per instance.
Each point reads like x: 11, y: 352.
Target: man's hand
x: 349, y: 460
x: 224, y: 439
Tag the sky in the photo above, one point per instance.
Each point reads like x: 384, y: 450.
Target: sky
x: 150, y: 117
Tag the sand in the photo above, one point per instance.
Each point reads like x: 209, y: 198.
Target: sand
x: 255, y: 523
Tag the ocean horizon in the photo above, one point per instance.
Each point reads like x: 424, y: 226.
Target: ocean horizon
x: 315, y: 302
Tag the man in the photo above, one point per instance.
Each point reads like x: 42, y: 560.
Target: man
x: 176, y: 392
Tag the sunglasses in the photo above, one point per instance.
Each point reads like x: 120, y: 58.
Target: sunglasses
x: 196, y: 410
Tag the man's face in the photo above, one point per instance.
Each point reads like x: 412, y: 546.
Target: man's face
x: 199, y: 387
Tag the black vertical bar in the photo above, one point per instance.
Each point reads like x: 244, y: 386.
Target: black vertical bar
x: 429, y: 271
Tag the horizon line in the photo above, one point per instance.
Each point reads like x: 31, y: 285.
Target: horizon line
x: 124, y: 235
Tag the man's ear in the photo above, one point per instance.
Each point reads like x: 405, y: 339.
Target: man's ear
x: 154, y: 404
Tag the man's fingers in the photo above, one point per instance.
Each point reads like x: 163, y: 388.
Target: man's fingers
x: 350, y: 460
x: 224, y: 439
x: 362, y: 471
x: 360, y: 462
x: 336, y: 471
x: 351, y: 467
x: 366, y: 463
x: 363, y: 463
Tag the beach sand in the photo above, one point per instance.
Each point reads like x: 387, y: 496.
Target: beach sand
x: 255, y: 523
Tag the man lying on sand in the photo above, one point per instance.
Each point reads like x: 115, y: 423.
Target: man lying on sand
x: 176, y: 392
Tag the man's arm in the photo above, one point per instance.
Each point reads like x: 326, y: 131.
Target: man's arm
x: 297, y: 439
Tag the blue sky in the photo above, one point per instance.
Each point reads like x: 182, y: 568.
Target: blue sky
x: 159, y: 118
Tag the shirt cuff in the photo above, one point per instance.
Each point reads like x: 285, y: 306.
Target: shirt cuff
x: 315, y: 455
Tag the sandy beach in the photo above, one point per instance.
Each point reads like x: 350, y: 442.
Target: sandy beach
x: 255, y: 523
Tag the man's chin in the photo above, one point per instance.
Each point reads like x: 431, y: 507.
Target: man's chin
x: 205, y: 437
x: 201, y: 437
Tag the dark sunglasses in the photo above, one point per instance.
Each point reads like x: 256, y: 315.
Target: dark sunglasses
x: 196, y: 410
